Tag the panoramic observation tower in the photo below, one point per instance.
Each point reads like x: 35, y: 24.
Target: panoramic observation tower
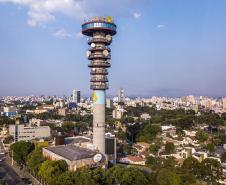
x: 100, y: 30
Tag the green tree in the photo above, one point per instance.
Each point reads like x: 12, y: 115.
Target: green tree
x: 201, y: 136
x: 210, y: 147
x: 211, y: 170
x: 126, y: 176
x: 189, y: 179
x: 149, y: 133
x: 169, y: 148
x: 210, y: 118
x: 8, y: 140
x: 223, y: 157
x: 4, y: 120
x: 150, y: 161
x: 34, y: 160
x: 20, y: 150
x: 99, y: 176
x: 167, y: 177
x: 68, y: 126
x: 66, y: 178
x: 221, y: 139
x: 154, y: 148
x: 191, y: 166
x: 154, y: 162
x: 84, y: 177
x: 121, y: 134
x: 169, y: 163
x: 80, y: 177
x: 50, y: 170
x: 223, y: 116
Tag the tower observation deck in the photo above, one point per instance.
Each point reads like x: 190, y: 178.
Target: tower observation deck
x: 100, y: 30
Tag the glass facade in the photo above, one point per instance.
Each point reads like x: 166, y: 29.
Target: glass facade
x: 99, y: 25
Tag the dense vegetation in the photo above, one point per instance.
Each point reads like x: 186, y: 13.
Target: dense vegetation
x: 6, y: 120
x: 146, y: 130
x: 163, y: 171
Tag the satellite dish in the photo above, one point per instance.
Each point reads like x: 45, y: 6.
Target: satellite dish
x: 93, y: 45
x: 109, y: 37
x: 105, y: 52
x: 88, y: 53
x: 97, y: 158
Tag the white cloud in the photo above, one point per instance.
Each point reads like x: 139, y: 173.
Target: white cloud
x: 44, y: 11
x: 62, y: 33
x: 136, y: 15
x: 161, y: 26
x: 37, y: 18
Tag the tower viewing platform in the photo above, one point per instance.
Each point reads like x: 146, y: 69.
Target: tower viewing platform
x: 101, y: 31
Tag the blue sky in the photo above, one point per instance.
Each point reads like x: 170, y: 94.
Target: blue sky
x: 165, y: 48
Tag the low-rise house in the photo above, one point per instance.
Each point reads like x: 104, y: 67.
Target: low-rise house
x: 132, y: 160
x: 145, y: 116
x: 62, y: 112
x: 200, y: 156
x: 141, y: 146
x: 43, y: 109
x: 190, y: 133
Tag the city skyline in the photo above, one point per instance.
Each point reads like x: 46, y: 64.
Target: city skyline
x: 163, y: 48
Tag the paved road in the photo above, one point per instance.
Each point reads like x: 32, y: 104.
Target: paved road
x: 6, y: 172
x: 8, y: 175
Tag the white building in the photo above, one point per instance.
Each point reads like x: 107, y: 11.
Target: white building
x: 109, y: 103
x: 117, y: 113
x: 145, y: 116
x: 22, y: 133
x: 224, y: 104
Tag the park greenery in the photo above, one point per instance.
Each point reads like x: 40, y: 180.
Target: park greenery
x: 4, y: 120
x: 147, y: 130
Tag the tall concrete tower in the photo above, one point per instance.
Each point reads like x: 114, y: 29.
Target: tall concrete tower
x: 100, y: 30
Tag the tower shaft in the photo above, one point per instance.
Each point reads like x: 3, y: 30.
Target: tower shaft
x: 99, y: 120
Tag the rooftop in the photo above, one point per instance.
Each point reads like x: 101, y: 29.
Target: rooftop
x: 71, y: 152
x: 102, y: 19
x: 135, y: 158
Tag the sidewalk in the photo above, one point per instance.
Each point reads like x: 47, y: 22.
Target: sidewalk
x: 23, y: 173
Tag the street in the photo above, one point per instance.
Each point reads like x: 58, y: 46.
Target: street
x: 8, y: 175
x: 6, y: 172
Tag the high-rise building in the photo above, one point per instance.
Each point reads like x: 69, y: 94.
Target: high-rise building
x: 76, y: 96
x: 100, y: 30
x: 109, y: 103
x: 121, y: 96
x: 224, y: 104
